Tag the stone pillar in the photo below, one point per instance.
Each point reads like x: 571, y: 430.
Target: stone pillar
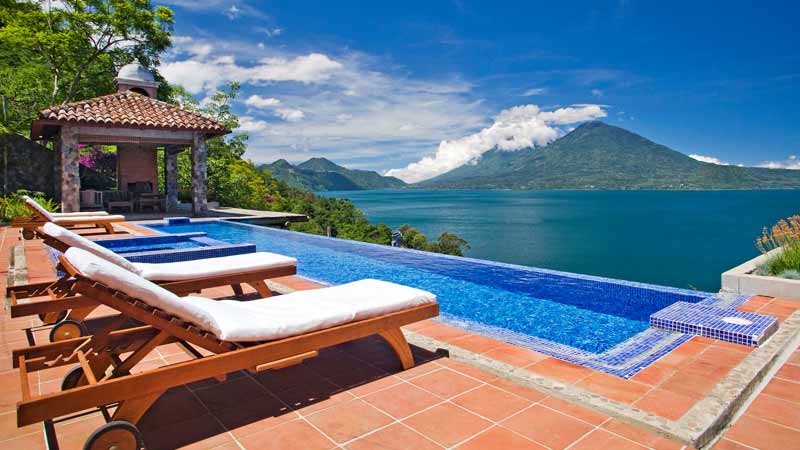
x: 70, y: 174
x: 171, y: 177
x: 199, y: 176
x: 57, y: 169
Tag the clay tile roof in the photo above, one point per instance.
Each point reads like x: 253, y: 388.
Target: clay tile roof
x: 130, y: 109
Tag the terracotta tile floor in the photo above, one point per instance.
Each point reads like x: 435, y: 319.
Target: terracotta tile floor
x: 354, y: 396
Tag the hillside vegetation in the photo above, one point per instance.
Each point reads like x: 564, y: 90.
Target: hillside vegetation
x: 320, y: 174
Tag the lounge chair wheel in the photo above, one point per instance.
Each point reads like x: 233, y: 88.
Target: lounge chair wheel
x: 115, y: 435
x: 61, y: 316
x: 68, y: 329
x: 27, y: 234
x: 72, y: 378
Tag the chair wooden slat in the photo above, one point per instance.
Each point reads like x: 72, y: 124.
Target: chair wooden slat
x: 23, y: 377
x: 87, y: 369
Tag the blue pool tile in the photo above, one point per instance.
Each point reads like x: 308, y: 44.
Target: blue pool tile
x: 724, y: 324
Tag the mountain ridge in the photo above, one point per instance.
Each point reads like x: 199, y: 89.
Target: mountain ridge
x: 321, y: 174
x: 596, y: 155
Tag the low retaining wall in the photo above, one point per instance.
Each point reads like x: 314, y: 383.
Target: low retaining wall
x: 741, y: 280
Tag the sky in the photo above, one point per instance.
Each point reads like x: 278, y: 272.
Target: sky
x: 417, y: 88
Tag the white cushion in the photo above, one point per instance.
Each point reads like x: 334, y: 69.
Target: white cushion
x: 264, y: 319
x: 75, y: 240
x: 87, y: 219
x: 305, y: 311
x: 79, y: 214
x: 35, y: 205
x: 115, y: 277
x: 211, y: 267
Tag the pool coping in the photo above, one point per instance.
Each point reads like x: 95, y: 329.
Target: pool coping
x: 698, y: 427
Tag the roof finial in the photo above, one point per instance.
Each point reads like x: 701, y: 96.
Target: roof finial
x: 135, y: 77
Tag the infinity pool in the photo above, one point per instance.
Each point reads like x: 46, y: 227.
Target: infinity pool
x: 587, y: 313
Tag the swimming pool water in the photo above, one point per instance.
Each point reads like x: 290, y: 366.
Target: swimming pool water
x: 588, y: 313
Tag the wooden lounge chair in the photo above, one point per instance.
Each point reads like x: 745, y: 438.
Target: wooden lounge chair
x: 68, y: 311
x: 41, y: 216
x: 257, y: 335
x: 58, y: 215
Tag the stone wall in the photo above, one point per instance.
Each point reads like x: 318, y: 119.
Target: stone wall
x: 24, y: 164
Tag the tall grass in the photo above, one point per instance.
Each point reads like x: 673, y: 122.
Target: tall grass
x: 785, y: 235
x: 12, y: 205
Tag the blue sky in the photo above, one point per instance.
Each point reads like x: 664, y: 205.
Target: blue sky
x: 380, y: 85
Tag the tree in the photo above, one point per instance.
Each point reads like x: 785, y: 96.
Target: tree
x: 53, y: 52
x: 451, y: 244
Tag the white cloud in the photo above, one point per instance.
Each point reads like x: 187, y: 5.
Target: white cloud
x: 290, y: 115
x: 709, y: 159
x: 348, y: 107
x: 248, y: 124
x: 271, y: 32
x: 258, y: 101
x: 597, y: 93
x: 791, y: 162
x: 232, y: 12
x: 273, y: 105
x: 204, y: 72
x: 534, y: 91
x: 513, y: 129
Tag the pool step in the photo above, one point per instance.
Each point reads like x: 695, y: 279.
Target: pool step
x: 727, y: 325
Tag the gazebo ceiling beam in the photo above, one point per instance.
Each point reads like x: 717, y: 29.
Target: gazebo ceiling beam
x: 107, y: 135
x: 112, y: 140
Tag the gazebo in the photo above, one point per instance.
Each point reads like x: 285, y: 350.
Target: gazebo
x: 138, y: 124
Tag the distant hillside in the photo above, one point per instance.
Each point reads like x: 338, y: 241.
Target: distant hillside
x: 320, y: 174
x: 600, y: 156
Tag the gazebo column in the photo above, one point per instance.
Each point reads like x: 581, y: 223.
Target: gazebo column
x: 199, y: 176
x: 57, y: 169
x: 171, y: 177
x: 70, y: 174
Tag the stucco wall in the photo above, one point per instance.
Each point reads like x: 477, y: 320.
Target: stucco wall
x: 136, y: 163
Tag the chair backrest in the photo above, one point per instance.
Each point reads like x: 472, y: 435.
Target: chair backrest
x: 116, y: 196
x: 114, y: 277
x: 71, y: 239
x: 34, y: 206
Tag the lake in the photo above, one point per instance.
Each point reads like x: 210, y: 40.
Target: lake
x: 676, y: 238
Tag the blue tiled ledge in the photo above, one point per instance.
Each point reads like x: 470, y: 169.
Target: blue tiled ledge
x: 189, y: 254
x: 178, y: 221
x: 150, y: 240
x: 727, y: 325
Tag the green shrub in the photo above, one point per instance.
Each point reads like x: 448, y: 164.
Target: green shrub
x: 12, y: 205
x: 785, y: 235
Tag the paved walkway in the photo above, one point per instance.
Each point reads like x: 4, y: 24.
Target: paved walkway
x: 355, y: 396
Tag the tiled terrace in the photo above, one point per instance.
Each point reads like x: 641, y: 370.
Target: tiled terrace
x: 355, y: 396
